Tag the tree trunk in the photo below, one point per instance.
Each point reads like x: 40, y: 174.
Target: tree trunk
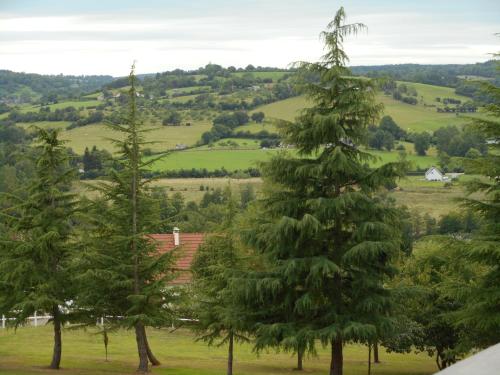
x: 375, y: 353
x: 369, y: 359
x: 337, y: 363
x: 56, y: 356
x: 230, y: 354
x: 154, y: 361
x: 300, y: 356
x: 141, y: 348
x: 106, y: 341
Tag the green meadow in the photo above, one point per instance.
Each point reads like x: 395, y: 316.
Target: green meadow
x: 416, y: 118
x: 161, y: 137
x: 27, y: 351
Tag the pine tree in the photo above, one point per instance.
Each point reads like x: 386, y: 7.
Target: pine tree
x: 122, y: 275
x: 220, y: 318
x: 481, y: 314
x: 37, y: 250
x: 326, y: 238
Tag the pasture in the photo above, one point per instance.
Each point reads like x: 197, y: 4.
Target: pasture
x: 75, y: 103
x: 161, y: 137
x: 27, y: 351
x: 416, y: 118
x: 233, y: 154
x: 204, y: 158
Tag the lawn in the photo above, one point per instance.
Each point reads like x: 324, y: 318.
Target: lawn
x: 28, y: 350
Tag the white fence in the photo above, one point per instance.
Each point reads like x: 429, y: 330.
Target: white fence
x: 35, y: 320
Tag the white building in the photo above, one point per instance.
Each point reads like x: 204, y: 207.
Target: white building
x: 434, y: 174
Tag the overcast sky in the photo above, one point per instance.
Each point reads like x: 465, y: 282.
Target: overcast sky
x: 105, y: 36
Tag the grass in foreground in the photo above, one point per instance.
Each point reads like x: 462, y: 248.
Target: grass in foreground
x: 27, y: 352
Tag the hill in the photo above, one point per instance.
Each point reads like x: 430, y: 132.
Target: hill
x: 29, y: 87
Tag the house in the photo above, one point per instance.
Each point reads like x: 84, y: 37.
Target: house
x: 434, y: 174
x: 187, y: 243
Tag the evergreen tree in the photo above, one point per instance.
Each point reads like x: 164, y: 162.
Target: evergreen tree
x: 39, y: 244
x: 220, y: 318
x: 122, y: 276
x: 326, y: 238
x: 481, y: 313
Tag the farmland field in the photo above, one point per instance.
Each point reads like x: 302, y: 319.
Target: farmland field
x: 27, y: 351
x: 203, y: 158
x: 164, y: 137
x: 248, y: 154
x: 274, y: 75
x: 44, y: 124
x: 76, y: 104
x: 415, y: 118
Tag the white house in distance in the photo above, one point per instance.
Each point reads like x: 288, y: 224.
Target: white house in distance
x: 434, y: 174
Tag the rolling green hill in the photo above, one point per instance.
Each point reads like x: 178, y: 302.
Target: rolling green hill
x: 416, y: 118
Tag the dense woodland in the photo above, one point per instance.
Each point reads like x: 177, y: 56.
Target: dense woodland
x: 323, y: 256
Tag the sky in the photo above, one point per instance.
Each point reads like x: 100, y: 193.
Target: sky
x: 106, y: 36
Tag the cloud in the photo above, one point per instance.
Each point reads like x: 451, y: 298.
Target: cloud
x: 100, y: 39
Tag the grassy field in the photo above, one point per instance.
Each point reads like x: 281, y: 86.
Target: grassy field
x: 164, y: 137
x: 248, y: 154
x: 213, y: 159
x: 431, y: 197
x: 273, y: 75
x: 415, y: 118
x: 414, y: 191
x: 76, y: 104
x: 28, y: 351
x: 44, y: 124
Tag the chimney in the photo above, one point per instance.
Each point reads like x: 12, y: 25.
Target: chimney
x: 177, y: 241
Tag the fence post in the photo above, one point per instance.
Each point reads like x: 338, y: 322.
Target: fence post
x: 3, y: 321
x: 35, y: 320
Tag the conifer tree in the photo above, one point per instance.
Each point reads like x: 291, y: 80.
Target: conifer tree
x: 221, y: 320
x: 481, y: 313
x: 39, y: 243
x: 326, y: 238
x: 123, y: 277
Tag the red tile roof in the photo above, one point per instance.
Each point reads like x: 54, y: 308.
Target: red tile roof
x: 189, y: 244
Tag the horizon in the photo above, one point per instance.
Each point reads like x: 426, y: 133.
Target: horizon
x: 103, y: 38
x: 225, y: 67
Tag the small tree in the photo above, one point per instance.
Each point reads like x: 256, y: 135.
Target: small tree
x: 121, y: 273
x: 173, y: 118
x: 258, y: 117
x: 220, y: 318
x: 37, y: 250
x: 422, y: 142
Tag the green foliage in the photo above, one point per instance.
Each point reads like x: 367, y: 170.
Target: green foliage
x: 220, y: 319
x: 480, y: 314
x: 389, y: 125
x: 422, y: 142
x: 121, y: 274
x: 424, y: 303
x: 37, y: 249
x: 326, y: 239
